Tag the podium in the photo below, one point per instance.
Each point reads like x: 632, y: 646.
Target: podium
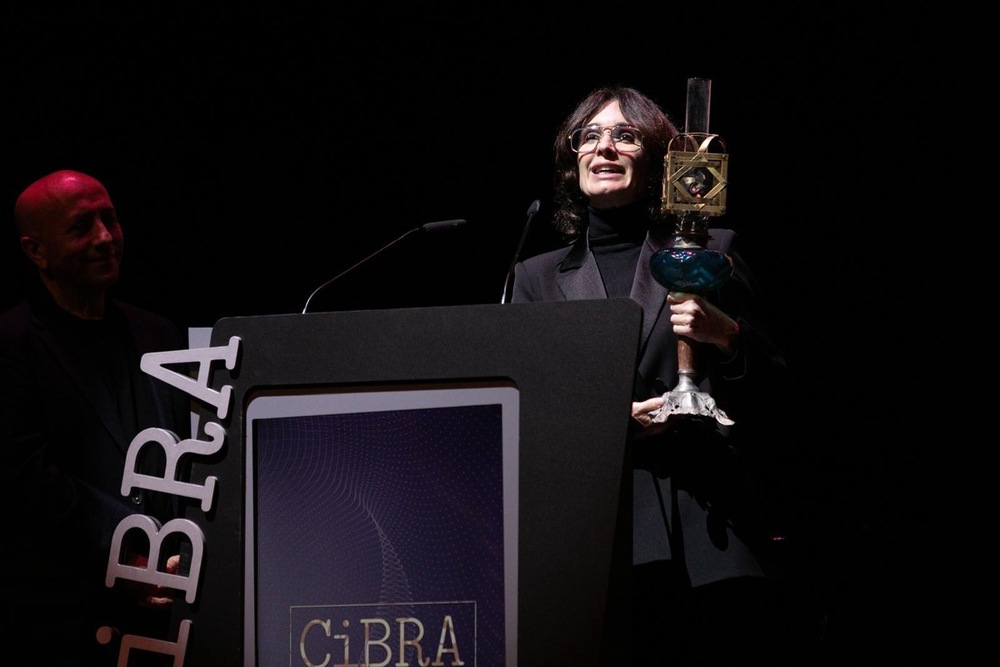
x: 343, y: 422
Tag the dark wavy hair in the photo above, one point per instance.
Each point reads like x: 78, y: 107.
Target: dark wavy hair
x: 640, y: 111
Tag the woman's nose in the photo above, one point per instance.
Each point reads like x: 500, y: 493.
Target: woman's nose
x: 605, y: 142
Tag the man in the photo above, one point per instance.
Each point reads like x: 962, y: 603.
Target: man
x: 72, y: 398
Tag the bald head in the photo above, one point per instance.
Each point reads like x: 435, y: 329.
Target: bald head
x: 48, y: 197
x: 68, y: 228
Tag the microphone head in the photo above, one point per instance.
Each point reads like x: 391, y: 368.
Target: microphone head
x: 535, y: 206
x: 442, y: 225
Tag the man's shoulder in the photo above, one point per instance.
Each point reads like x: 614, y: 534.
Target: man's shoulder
x: 15, y: 311
x: 16, y: 316
x: 133, y: 311
x: 157, y: 330
x: 20, y: 330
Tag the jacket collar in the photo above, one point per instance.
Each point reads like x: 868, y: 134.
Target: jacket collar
x: 579, y: 277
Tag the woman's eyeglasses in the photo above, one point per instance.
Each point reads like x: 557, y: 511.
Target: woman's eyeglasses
x: 626, y: 139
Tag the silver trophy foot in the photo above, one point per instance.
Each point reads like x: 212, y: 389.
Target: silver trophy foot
x: 685, y: 399
x: 686, y: 402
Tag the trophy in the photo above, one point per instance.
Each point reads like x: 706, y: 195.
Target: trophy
x: 694, y: 190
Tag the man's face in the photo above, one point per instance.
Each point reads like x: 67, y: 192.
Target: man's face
x: 80, y: 245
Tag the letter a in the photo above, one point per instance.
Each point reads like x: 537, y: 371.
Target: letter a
x: 153, y: 363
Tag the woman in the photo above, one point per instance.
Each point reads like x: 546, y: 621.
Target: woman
x: 701, y: 567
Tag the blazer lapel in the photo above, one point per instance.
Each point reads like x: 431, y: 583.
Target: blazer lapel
x: 578, y: 276
x: 88, y: 383
x: 650, y: 294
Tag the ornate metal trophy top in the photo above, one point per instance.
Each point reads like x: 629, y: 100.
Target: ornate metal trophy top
x: 694, y: 190
x: 695, y: 177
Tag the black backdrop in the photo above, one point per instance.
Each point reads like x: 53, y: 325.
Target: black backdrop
x: 256, y: 152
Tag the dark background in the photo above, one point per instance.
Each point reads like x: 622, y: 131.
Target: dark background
x: 256, y: 152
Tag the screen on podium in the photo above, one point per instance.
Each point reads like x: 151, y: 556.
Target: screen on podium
x: 388, y: 513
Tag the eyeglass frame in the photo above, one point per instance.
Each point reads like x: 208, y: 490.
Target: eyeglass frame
x: 610, y: 129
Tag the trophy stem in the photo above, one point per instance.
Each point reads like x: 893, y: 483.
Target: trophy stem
x: 685, y: 398
x: 687, y: 379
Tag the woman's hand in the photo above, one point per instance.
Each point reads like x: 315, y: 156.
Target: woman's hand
x: 642, y: 417
x: 700, y: 320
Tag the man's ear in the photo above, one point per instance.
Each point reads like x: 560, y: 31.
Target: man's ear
x: 33, y: 249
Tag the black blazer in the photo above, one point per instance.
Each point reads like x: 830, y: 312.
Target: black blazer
x: 64, y: 440
x: 696, y: 502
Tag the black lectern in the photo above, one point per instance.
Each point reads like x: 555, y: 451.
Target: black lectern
x: 348, y: 429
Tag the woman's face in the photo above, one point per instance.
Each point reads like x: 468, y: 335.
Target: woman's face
x: 610, y: 175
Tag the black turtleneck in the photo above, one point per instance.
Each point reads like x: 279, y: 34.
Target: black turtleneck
x: 616, y: 237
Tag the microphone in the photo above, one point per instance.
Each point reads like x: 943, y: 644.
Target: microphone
x: 439, y: 226
x: 509, y: 280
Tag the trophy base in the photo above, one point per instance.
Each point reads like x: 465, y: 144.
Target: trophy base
x: 687, y: 402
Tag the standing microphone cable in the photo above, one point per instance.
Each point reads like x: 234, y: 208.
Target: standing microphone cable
x: 509, y: 281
